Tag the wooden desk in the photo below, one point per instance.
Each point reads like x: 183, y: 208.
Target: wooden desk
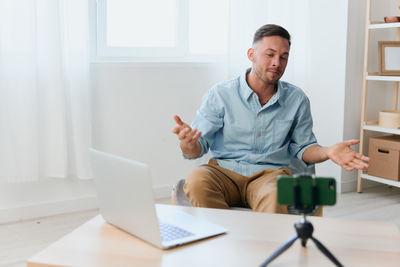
x: 251, y: 239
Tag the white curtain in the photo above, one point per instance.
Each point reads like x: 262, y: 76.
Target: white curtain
x: 44, y: 89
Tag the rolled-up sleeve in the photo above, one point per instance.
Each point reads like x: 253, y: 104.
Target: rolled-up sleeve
x: 209, y: 119
x: 302, y: 136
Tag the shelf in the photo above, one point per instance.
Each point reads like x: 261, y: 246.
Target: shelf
x: 384, y: 25
x: 380, y: 180
x: 368, y: 76
x: 376, y: 128
x: 383, y: 78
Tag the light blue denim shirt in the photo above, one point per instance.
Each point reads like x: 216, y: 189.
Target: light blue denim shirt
x: 246, y: 137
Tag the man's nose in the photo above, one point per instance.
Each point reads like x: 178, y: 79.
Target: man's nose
x: 276, y: 62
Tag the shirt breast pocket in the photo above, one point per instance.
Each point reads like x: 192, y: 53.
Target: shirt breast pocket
x: 281, y: 131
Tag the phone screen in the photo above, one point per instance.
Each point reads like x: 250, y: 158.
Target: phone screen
x: 325, y: 193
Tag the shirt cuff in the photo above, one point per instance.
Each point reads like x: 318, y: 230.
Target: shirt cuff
x: 300, y: 155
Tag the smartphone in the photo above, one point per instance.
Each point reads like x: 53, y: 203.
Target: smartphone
x: 289, y: 187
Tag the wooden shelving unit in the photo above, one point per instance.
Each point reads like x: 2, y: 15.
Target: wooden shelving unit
x: 373, y: 126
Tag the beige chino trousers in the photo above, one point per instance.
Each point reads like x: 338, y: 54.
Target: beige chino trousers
x: 212, y: 186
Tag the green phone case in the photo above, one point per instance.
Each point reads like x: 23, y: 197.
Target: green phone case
x: 326, y: 190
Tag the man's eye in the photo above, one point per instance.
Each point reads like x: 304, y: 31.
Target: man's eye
x: 270, y: 55
x: 284, y: 58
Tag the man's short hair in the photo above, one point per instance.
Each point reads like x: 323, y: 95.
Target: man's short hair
x: 271, y: 30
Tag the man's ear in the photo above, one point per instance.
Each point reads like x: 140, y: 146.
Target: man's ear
x: 250, y: 54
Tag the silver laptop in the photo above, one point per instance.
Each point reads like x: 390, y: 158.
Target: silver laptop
x: 126, y: 200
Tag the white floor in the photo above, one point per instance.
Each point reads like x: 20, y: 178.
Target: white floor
x: 19, y: 241
x: 381, y: 203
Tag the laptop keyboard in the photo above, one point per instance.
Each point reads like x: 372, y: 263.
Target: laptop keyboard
x: 170, y: 232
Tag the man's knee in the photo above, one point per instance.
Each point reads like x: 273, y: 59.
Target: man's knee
x: 198, y: 180
x: 203, y: 189
x: 268, y: 203
x: 262, y: 192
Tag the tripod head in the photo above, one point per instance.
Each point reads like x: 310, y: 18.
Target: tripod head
x: 304, y: 230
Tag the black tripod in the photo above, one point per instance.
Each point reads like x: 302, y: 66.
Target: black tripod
x: 304, y: 231
x: 303, y: 228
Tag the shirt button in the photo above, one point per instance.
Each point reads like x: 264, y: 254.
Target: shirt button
x: 259, y: 115
x: 259, y: 134
x: 256, y: 151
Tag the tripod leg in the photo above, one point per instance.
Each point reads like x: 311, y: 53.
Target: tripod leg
x: 326, y: 252
x: 279, y: 251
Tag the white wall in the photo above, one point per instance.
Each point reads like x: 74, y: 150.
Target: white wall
x: 326, y: 75
x: 354, y: 74
x: 133, y: 103
x: 133, y: 108
x: 317, y: 64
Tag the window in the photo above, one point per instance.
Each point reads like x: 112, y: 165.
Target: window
x: 161, y: 28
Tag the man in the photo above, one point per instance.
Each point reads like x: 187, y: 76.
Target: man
x: 253, y: 125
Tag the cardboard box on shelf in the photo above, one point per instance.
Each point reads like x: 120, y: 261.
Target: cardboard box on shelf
x: 384, y: 154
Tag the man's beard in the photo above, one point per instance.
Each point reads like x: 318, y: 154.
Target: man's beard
x: 265, y: 79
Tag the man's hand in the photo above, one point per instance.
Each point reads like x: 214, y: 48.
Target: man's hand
x: 343, y: 155
x: 188, y: 138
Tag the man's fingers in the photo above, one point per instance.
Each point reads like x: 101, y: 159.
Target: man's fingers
x: 360, y: 163
x: 348, y: 168
x: 355, y: 164
x: 362, y: 157
x: 193, y: 136
x: 190, y: 135
x: 352, y: 142
x: 182, y: 130
x: 178, y: 120
x: 176, y: 129
x: 196, y: 137
x: 182, y: 135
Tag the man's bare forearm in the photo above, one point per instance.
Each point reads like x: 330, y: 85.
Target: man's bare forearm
x: 315, y: 154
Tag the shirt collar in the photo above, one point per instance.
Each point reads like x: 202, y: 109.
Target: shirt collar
x: 246, y: 91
